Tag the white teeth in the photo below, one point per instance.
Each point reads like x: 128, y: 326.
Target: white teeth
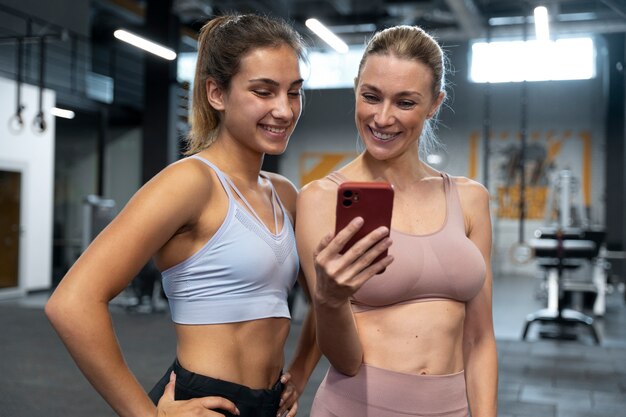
x: 383, y: 136
x: 275, y: 129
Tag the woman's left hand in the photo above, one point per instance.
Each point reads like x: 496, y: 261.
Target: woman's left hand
x: 289, y: 397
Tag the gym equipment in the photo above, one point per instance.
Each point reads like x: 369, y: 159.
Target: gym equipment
x: 565, y: 247
x: 557, y: 250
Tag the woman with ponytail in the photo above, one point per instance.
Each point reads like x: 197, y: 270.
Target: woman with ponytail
x: 416, y: 326
x: 221, y: 232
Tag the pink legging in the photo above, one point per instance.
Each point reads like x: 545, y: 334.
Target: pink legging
x: 375, y: 392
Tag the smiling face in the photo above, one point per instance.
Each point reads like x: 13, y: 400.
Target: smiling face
x: 393, y: 100
x: 263, y: 102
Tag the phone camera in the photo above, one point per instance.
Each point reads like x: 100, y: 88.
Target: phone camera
x: 347, y: 193
x: 347, y: 202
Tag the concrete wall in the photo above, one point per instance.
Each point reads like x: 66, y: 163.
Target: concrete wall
x: 122, y: 168
x: 32, y: 154
x: 76, y: 177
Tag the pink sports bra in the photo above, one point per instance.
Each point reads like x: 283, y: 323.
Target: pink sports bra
x: 444, y: 264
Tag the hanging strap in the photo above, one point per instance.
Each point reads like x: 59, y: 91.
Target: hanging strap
x: 40, y: 122
x: 19, y: 107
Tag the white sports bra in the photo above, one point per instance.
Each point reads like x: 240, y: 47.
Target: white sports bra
x: 244, y: 272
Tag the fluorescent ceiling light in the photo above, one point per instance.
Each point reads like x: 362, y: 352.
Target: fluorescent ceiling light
x: 145, y: 44
x: 66, y: 114
x: 327, y: 36
x: 541, y: 24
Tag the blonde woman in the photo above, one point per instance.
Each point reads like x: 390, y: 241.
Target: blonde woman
x: 417, y: 339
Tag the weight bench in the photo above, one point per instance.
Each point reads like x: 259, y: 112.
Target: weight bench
x: 557, y: 252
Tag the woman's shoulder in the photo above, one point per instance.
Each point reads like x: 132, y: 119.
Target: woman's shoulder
x: 472, y: 193
x: 469, y: 186
x: 319, y: 188
x: 186, y: 184
x: 189, y: 175
x: 171, y: 199
x: 316, y: 205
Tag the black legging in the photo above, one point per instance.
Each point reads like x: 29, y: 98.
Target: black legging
x: 250, y: 402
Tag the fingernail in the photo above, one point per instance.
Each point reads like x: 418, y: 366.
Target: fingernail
x: 358, y: 220
x: 283, y: 379
x: 280, y: 404
x: 237, y: 411
x: 172, y: 376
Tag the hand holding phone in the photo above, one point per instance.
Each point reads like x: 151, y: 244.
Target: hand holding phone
x: 373, y: 201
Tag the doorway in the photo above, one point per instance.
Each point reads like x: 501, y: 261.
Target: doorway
x: 10, y: 205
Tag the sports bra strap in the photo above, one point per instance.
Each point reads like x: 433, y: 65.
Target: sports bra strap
x: 447, y: 185
x: 337, y: 177
x: 453, y: 202
x: 249, y: 206
x: 220, y: 175
x: 228, y: 184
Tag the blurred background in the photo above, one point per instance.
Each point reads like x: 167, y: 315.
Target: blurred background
x: 535, y: 112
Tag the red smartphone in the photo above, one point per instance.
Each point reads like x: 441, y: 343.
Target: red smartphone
x: 373, y: 201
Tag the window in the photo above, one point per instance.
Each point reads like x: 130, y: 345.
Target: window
x: 330, y: 69
x: 563, y: 59
x: 186, y: 66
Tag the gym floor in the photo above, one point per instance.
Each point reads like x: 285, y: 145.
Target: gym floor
x: 538, y: 377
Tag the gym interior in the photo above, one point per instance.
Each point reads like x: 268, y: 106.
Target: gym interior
x: 86, y: 119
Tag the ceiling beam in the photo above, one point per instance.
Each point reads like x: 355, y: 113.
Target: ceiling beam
x: 617, y: 6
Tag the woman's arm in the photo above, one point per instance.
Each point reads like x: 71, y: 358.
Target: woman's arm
x: 304, y: 361
x: 307, y: 353
x: 479, y: 345
x: 78, y: 309
x: 332, y: 278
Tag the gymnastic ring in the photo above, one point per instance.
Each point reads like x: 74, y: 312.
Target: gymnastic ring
x: 39, y: 124
x: 16, y: 123
x: 521, y: 253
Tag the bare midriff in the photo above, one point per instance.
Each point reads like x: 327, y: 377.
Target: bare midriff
x: 421, y: 338
x: 248, y: 353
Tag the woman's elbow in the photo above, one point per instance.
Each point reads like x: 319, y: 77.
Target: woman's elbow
x: 53, y: 311
x: 60, y: 311
x: 348, y: 369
